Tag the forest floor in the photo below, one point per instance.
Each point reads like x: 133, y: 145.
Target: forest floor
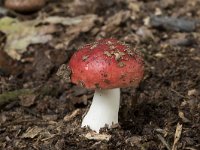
x: 38, y: 110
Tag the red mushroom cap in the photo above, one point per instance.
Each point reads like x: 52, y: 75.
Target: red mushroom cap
x: 106, y: 64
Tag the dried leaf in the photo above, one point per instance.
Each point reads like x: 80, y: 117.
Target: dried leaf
x: 87, y: 22
x: 158, y: 12
x: 27, y: 100
x: 70, y: 21
x: 192, y: 92
x: 115, y: 20
x: 63, y: 20
x: 134, y: 6
x: 21, y: 34
x: 31, y: 132
x: 145, y: 33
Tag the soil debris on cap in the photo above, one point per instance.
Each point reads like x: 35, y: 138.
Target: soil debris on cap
x: 107, y: 53
x: 97, y: 85
x: 81, y: 83
x: 107, y: 81
x: 121, y: 64
x: 109, y: 42
x: 112, y: 47
x: 85, y: 57
x: 118, y: 55
x: 93, y: 46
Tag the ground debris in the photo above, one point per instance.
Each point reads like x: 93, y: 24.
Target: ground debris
x: 87, y: 22
x: 115, y: 20
x: 168, y: 93
x: 97, y: 136
x: 167, y: 3
x: 8, y: 65
x: 145, y: 33
x: 182, y: 116
x: 20, y: 34
x: 134, y: 140
x: 177, y: 136
x: 27, y: 100
x: 181, y: 39
x: 7, y: 97
x: 32, y: 132
x: 173, y: 24
x: 163, y: 141
x: 193, y: 92
x: 72, y: 115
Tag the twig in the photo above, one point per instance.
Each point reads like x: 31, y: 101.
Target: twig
x: 179, y: 94
x: 13, y: 95
x: 7, y: 97
x: 177, y: 136
x: 164, y: 141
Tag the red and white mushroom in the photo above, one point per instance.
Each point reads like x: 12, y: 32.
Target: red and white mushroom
x: 106, y: 66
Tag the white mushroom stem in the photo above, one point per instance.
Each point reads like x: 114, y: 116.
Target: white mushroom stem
x: 103, y: 110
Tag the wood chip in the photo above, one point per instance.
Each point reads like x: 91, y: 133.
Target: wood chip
x: 107, y: 53
x: 182, y: 116
x: 121, y: 64
x: 163, y: 141
x: 97, y: 137
x: 71, y: 116
x: 192, y: 92
x: 112, y: 22
x: 32, y: 132
x: 177, y: 136
x: 27, y: 100
x: 134, y: 140
x: 159, y: 55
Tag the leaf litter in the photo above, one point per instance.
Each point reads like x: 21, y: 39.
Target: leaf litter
x: 20, y: 34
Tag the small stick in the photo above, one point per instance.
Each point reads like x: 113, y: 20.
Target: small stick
x: 7, y: 97
x: 164, y: 141
x: 179, y: 94
x: 13, y: 95
x: 177, y: 136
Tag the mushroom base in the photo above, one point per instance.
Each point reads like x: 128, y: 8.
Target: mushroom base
x: 103, y: 110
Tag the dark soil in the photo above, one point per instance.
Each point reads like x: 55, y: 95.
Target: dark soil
x: 168, y: 96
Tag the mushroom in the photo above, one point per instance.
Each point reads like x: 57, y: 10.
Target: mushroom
x: 106, y: 66
x: 24, y: 5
